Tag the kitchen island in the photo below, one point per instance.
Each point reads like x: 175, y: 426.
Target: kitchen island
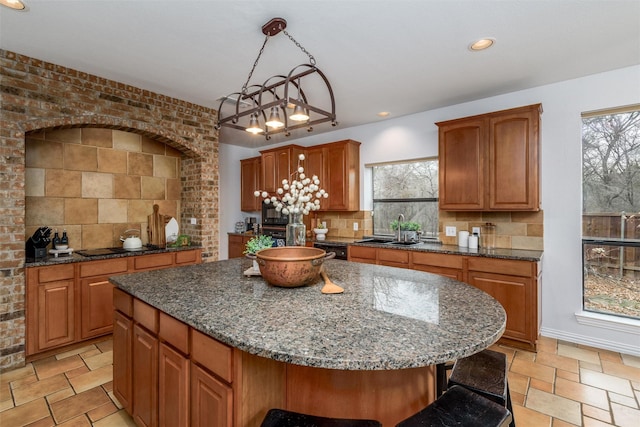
x: 369, y: 352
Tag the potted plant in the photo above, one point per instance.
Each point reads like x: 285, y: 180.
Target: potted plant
x: 321, y: 230
x: 408, y: 229
x: 255, y: 244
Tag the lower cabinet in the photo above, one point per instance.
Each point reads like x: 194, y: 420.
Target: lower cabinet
x: 211, y: 400
x: 122, y: 362
x: 173, y: 388
x: 237, y: 244
x: 513, y: 283
x: 145, y: 377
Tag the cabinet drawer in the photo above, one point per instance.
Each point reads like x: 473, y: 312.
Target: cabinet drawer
x: 153, y: 261
x: 103, y: 268
x: 503, y: 266
x: 437, y: 260
x: 55, y: 272
x: 174, y: 332
x: 362, y: 252
x: 123, y: 302
x: 394, y: 256
x: 145, y: 315
x: 212, y: 354
x: 184, y: 257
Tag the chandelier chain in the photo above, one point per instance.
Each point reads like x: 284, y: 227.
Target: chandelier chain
x: 312, y: 60
x: 255, y: 64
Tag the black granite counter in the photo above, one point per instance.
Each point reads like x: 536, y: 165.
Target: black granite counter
x: 387, y: 318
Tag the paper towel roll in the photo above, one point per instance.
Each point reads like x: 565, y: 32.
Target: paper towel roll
x: 463, y: 239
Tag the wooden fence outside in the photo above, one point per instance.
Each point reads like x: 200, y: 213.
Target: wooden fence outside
x: 612, y: 259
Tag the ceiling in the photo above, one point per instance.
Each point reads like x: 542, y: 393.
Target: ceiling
x: 402, y: 56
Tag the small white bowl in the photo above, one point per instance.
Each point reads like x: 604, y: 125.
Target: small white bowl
x: 320, y: 233
x: 62, y: 247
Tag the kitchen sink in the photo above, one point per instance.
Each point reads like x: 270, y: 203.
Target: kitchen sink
x: 374, y: 240
x: 409, y: 243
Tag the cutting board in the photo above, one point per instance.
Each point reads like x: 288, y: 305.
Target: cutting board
x: 156, y: 227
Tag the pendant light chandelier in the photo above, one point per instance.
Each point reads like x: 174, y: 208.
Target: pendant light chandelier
x: 280, y: 104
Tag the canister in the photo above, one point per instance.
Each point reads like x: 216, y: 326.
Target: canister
x: 463, y: 239
x: 488, y: 236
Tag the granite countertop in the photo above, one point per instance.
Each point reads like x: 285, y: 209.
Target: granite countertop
x: 387, y: 318
x: 515, y: 254
x: 75, y: 257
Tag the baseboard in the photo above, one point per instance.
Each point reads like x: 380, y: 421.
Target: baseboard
x: 631, y: 349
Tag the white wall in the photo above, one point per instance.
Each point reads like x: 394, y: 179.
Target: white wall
x: 416, y: 136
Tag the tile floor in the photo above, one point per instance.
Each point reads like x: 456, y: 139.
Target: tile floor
x: 563, y: 384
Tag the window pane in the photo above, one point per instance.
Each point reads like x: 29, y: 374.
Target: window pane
x: 611, y: 206
x: 423, y: 213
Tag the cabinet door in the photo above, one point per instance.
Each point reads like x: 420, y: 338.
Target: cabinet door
x: 269, y: 172
x: 211, y: 400
x: 122, y: 340
x: 394, y: 258
x: 513, y: 161
x: 314, y: 165
x: 145, y: 378
x: 342, y: 175
x: 96, y: 311
x: 56, y: 314
x: 173, y: 388
x: 461, y: 153
x: 250, y: 182
x: 362, y: 254
x: 236, y: 246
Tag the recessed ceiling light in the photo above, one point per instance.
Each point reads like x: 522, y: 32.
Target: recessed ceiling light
x: 383, y: 113
x: 13, y: 4
x: 482, y: 44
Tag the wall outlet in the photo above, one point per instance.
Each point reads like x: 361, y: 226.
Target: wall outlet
x: 355, y: 226
x: 193, y: 221
x: 324, y: 224
x: 475, y: 230
x: 450, y: 230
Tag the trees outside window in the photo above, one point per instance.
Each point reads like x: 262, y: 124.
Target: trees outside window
x: 611, y: 212
x: 409, y: 188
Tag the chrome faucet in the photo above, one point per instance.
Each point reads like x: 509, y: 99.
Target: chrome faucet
x: 400, y: 221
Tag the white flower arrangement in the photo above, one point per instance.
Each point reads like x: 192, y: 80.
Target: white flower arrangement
x: 300, y: 196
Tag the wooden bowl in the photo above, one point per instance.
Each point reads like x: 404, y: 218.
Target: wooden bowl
x: 291, y: 266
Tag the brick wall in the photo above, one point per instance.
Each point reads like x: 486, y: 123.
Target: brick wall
x: 36, y: 95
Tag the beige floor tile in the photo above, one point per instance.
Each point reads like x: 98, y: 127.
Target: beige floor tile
x: 524, y: 355
x: 108, y: 386
x: 590, y: 366
x: 554, y: 406
x: 607, y: 382
x: 624, y: 371
x: 509, y: 352
x: 624, y: 416
x: 45, y: 422
x: 635, y: 385
x: 119, y: 419
x: 610, y: 356
x: 39, y: 389
x: 107, y: 345
x: 60, y: 395
x: 6, y: 404
x: 79, y: 404
x: 90, y: 353
x: 21, y: 382
x: 623, y: 400
x: 589, y: 356
x: 547, y: 345
x: 541, y: 385
x: 559, y: 423
x: 599, y: 414
x: 630, y: 360
x: 75, y: 351
x: 79, y: 421
x: 567, y: 375
x: 5, y: 392
x: 590, y: 422
x: 52, y: 366
x: 24, y: 414
x: 92, y: 379
x: 559, y: 362
x: 102, y: 411
x: 517, y: 398
x: 78, y: 371
x: 533, y: 370
x: 15, y: 374
x: 99, y: 360
x: 526, y: 417
x: 114, y: 400
x: 518, y: 383
x: 582, y: 393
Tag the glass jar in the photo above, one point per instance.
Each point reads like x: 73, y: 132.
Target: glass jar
x: 488, y: 236
x: 296, y: 231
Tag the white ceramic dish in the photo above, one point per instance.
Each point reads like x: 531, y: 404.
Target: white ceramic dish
x: 171, y: 230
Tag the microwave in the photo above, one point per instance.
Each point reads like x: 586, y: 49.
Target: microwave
x: 270, y: 216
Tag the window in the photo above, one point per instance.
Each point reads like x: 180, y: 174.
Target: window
x: 611, y: 212
x: 409, y: 188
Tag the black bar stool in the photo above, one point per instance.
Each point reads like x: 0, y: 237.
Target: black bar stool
x: 462, y: 408
x: 282, y: 418
x: 484, y: 373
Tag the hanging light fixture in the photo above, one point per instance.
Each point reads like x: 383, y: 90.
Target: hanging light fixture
x: 268, y: 100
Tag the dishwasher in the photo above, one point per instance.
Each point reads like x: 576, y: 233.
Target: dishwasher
x: 339, y: 248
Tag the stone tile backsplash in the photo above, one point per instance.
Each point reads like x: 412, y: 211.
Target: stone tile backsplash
x: 97, y: 183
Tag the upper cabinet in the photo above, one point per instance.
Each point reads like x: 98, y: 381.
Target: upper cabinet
x: 491, y: 162
x: 250, y: 181
x: 278, y: 164
x: 337, y: 165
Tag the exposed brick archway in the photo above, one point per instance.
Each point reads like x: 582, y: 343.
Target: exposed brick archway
x: 36, y: 95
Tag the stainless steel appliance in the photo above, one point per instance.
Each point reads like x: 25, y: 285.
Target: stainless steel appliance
x: 339, y: 248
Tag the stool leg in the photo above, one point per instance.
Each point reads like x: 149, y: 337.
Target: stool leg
x: 510, y: 408
x: 441, y: 379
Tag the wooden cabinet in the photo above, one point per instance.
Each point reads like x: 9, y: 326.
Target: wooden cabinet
x: 342, y: 175
x: 173, y: 388
x: 250, y: 174
x: 122, y: 363
x: 278, y: 164
x: 51, y: 309
x: 211, y: 400
x: 237, y: 244
x: 491, y: 162
x: 513, y: 283
x: 145, y: 377
x: 69, y: 303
